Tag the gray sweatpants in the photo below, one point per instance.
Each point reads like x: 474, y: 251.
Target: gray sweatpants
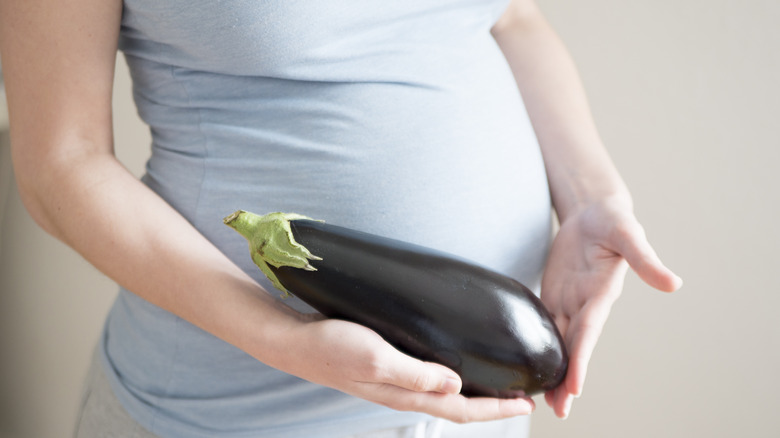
x: 102, y: 416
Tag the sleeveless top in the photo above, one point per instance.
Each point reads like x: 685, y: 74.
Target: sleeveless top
x: 398, y: 118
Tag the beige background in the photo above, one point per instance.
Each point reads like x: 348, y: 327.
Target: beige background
x: 686, y: 94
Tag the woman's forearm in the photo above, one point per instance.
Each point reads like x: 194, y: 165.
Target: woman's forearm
x: 134, y: 237
x: 579, y: 169
x: 58, y: 64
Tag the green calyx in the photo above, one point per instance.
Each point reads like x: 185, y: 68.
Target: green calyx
x: 271, y: 242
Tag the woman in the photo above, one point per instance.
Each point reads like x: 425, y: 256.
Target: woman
x: 402, y: 119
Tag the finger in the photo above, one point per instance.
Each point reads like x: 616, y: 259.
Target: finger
x: 563, y: 407
x: 584, y: 332
x: 456, y: 408
x: 560, y: 400
x: 486, y: 409
x: 415, y: 375
x: 642, y: 258
x: 549, y: 397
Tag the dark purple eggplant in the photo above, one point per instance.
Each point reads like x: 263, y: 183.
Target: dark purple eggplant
x: 487, y: 327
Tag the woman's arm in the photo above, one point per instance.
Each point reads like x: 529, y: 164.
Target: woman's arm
x: 599, y: 235
x: 578, y: 167
x: 58, y: 62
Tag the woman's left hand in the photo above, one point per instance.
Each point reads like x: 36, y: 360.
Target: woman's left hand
x: 584, y: 276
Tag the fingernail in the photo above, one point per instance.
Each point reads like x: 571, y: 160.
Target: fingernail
x: 451, y: 386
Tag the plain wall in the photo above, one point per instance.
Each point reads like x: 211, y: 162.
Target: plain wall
x: 687, y: 98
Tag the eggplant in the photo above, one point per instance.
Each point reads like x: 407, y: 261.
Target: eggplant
x: 489, y: 328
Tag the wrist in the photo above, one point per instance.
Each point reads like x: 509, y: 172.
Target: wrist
x: 581, y: 174
x: 615, y: 196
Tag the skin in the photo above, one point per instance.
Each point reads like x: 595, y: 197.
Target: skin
x: 599, y: 236
x: 58, y: 63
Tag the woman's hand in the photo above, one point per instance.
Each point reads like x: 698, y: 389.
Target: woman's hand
x: 584, y: 276
x: 357, y: 361
x: 599, y: 236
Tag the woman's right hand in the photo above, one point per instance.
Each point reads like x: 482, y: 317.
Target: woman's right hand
x: 356, y: 360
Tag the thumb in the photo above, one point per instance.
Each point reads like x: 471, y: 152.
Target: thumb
x: 416, y: 375
x: 642, y: 258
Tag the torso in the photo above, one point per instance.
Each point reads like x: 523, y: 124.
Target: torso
x: 396, y: 118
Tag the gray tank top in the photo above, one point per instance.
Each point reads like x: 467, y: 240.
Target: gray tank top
x: 399, y: 118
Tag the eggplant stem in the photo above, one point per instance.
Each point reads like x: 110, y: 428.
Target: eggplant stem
x: 271, y: 242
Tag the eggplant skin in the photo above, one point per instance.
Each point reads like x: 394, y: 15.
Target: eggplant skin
x: 489, y: 328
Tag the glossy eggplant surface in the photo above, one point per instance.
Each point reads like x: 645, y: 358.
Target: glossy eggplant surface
x: 487, y: 327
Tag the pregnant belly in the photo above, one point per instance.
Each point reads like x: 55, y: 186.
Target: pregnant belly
x: 455, y: 167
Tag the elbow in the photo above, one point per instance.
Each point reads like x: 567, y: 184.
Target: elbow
x: 32, y: 194
x: 40, y: 181
x: 56, y: 184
